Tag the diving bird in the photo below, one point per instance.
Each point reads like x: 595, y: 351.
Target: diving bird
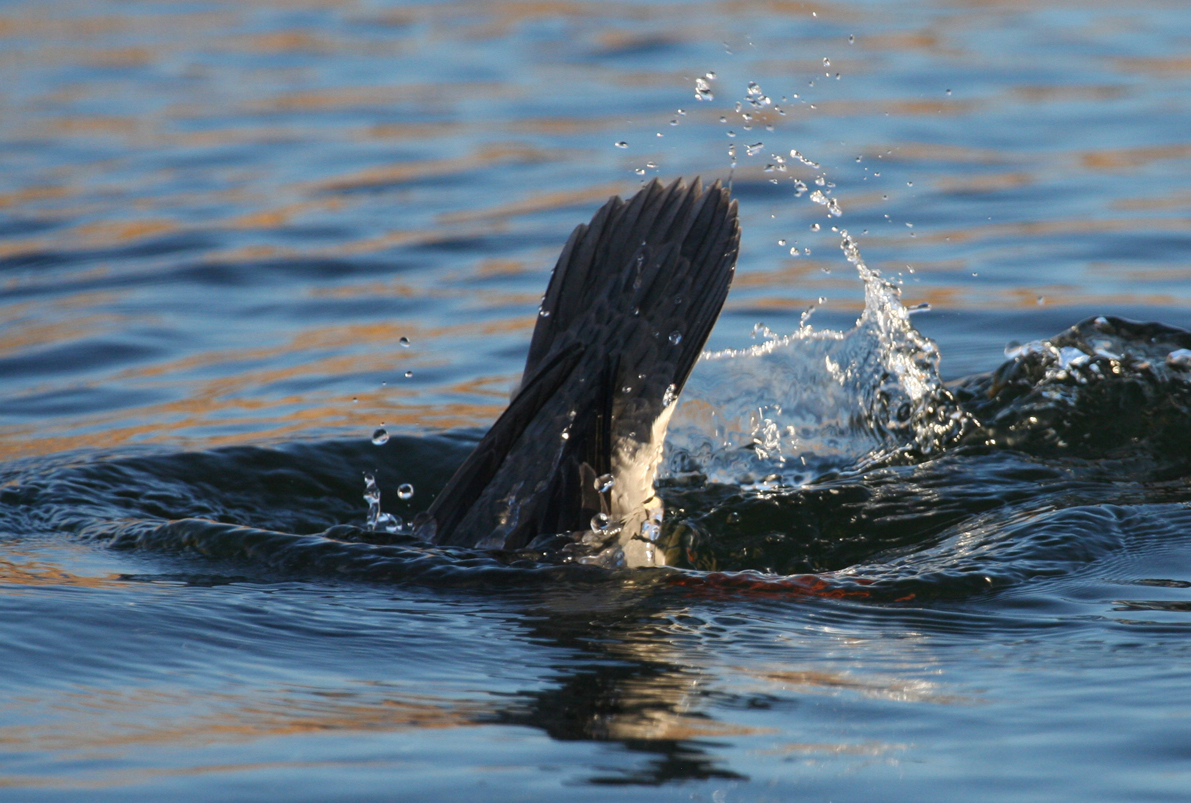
x: 571, y: 462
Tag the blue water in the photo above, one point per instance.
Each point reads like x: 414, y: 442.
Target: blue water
x: 218, y: 220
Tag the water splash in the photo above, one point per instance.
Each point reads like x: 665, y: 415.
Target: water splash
x: 797, y: 407
x: 1105, y: 386
x: 378, y: 521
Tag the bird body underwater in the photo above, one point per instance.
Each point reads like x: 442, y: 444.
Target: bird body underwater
x: 569, y: 467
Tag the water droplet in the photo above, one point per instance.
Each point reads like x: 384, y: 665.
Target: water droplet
x: 604, y: 483
x: 403, y: 342
x: 387, y: 522
x: 948, y: 91
x: 794, y: 251
x: 380, y: 437
x: 731, y: 133
x: 405, y: 491
x: 851, y: 39
x: 622, y: 144
x: 804, y: 160
x: 639, y: 171
x: 754, y: 149
x: 909, y: 183
x: 703, y: 89
x: 651, y: 165
x: 826, y: 62
x: 675, y: 337
x: 782, y: 241
x: 815, y: 227
x: 600, y: 523
x: 409, y: 374
x: 543, y: 313
x: 670, y: 396
x: 711, y: 76
x: 566, y: 436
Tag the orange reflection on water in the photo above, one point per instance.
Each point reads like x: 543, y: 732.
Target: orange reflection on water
x: 404, y: 172
x: 540, y: 202
x: 815, y: 681
x: 1131, y: 158
x: 35, y: 573
x: 115, y: 723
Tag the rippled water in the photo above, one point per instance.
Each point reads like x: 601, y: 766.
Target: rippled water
x: 218, y: 221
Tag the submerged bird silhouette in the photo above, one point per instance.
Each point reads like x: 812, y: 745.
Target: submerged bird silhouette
x: 571, y: 463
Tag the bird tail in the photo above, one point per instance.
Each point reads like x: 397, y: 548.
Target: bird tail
x: 630, y: 304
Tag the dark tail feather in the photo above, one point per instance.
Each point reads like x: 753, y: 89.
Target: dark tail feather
x: 629, y: 306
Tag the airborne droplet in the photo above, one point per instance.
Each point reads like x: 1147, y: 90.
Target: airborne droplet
x: 404, y: 342
x: 405, y: 491
x: 380, y: 436
x: 675, y: 337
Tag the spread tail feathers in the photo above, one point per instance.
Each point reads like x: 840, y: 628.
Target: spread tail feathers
x: 629, y: 306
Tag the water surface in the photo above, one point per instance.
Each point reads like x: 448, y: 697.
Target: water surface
x: 217, y: 222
